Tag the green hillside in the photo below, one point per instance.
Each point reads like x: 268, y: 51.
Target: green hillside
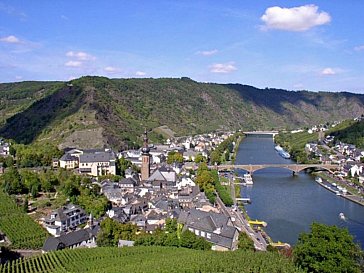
x: 353, y: 134
x: 116, y: 111
x: 151, y: 259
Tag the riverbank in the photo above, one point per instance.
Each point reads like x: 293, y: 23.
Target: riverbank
x: 236, y: 148
x: 351, y: 196
x: 289, y: 204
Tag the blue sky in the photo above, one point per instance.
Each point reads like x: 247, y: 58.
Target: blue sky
x: 295, y: 45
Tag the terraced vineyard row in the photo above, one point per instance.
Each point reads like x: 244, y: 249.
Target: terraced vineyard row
x: 19, y: 228
x: 150, y: 259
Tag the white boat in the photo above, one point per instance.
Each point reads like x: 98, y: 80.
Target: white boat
x: 318, y: 179
x: 278, y: 148
x: 337, y: 193
x: 248, y: 179
x: 342, y: 216
x: 344, y: 191
x: 334, y: 184
x: 284, y: 154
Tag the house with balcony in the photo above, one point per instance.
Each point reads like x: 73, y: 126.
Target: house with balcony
x: 63, y: 219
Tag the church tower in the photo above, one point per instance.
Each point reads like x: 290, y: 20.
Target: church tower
x: 145, y: 170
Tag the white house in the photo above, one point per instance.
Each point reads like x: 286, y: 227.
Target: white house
x: 62, y: 219
x: 99, y: 163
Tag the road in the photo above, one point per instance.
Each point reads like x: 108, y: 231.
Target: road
x: 243, y: 225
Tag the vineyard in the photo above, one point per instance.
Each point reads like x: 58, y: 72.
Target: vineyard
x: 19, y: 228
x: 150, y: 259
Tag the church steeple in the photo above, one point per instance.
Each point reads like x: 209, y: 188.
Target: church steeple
x: 145, y: 148
x: 145, y: 169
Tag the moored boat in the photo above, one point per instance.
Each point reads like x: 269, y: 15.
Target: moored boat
x: 248, y: 179
x: 278, y: 148
x: 318, y: 179
x: 342, y: 216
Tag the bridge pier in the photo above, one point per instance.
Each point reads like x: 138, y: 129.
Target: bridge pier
x: 294, y: 173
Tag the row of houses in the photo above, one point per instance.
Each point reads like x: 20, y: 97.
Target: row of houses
x: 347, y: 156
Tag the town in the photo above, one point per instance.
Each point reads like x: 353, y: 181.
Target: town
x: 160, y: 183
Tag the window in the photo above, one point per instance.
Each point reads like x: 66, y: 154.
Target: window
x: 197, y: 232
x: 203, y: 234
x: 208, y: 235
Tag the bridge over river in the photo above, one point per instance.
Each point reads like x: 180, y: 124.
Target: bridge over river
x: 295, y: 168
x: 272, y: 133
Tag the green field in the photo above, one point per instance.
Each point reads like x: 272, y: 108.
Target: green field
x: 151, y: 259
x: 19, y: 228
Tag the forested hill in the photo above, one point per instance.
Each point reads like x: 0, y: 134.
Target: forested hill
x: 353, y: 134
x: 97, y: 111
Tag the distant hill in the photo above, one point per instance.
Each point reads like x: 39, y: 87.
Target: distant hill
x: 97, y: 111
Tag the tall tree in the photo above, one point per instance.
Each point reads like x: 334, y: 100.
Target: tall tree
x: 327, y: 249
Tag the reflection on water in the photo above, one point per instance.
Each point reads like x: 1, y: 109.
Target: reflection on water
x: 289, y: 204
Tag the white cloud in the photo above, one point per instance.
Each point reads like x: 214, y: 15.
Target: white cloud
x: 359, y: 48
x: 223, y: 68
x: 328, y: 71
x: 111, y: 69
x: 208, y: 52
x: 10, y: 39
x: 73, y: 64
x: 140, y: 73
x: 294, y: 19
x: 80, y: 56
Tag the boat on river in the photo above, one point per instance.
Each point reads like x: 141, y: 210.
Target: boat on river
x: 248, y: 179
x: 282, y: 152
x: 342, y: 216
x: 318, y: 179
x: 278, y: 148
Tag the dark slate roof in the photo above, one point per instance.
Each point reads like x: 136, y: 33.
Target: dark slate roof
x: 202, y: 220
x: 68, y: 157
x: 52, y: 243
x: 96, y: 157
x: 75, y: 237
x: 215, y: 223
x: 69, y: 239
x: 127, y: 181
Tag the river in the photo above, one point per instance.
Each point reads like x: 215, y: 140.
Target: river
x: 289, y: 204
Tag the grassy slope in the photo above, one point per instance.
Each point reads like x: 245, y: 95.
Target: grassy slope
x: 16, y: 97
x: 352, y: 133
x: 154, y: 259
x: 20, y: 229
x: 115, y: 112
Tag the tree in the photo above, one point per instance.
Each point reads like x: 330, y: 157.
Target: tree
x: 122, y: 165
x: 12, y: 181
x: 111, y: 232
x: 245, y: 242
x: 190, y: 240
x: 8, y: 161
x: 25, y: 204
x: 174, y: 157
x: 171, y: 225
x: 205, y: 180
x: 200, y: 158
x: 327, y: 249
